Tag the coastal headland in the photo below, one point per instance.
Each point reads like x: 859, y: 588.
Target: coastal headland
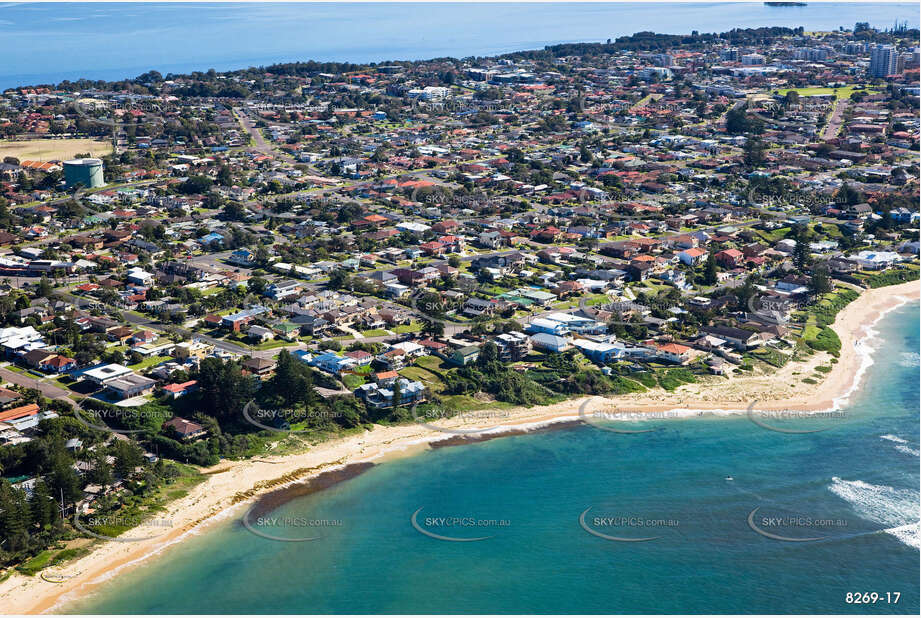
x: 232, y: 485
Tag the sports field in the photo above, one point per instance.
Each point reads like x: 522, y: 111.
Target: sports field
x: 840, y: 93
x: 52, y: 149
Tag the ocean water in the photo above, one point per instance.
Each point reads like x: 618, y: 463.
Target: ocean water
x: 44, y: 42
x: 853, y: 486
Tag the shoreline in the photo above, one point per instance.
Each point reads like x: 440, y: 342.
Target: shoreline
x: 271, y: 481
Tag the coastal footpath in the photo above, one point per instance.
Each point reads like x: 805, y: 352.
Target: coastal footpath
x: 232, y: 485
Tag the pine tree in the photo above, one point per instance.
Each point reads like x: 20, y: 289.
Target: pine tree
x: 710, y: 270
x: 821, y: 282
x: 41, y: 505
x: 801, y: 254
x: 14, y: 517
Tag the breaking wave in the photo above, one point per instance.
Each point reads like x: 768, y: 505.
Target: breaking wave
x: 897, y: 509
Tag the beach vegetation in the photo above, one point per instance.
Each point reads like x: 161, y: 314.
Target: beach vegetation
x: 670, y: 379
x: 892, y: 277
x: 826, y: 340
x: 645, y: 378
x: 770, y: 356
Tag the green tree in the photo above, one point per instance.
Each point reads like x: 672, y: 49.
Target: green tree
x: 223, y: 389
x: 710, y: 270
x: 801, y: 257
x: 754, y: 152
x: 128, y: 456
x: 821, y: 281
x: 41, y: 505
x: 101, y: 474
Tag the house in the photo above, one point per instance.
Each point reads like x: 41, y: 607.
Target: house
x: 432, y: 346
x: 130, y: 385
x: 143, y: 336
x: 550, y: 343
x: 386, y: 378
x: 259, y: 366
x: 103, y: 374
x: 381, y: 397
x: 58, y: 364
x: 411, y: 349
x: 464, y: 356
x: 408, y: 276
x: 433, y: 248
x: 21, y: 412
x: 395, y: 290
x: 692, y: 256
x: 639, y: 271
x: 729, y: 258
x: 260, y: 334
x: 490, y: 240
x: 361, y: 358
x: 876, y: 260
x: 567, y: 288
x: 739, y: 338
x: 119, y: 333
x: 36, y: 358
x: 509, y: 262
x: 242, y: 257
x: 8, y: 396
x: 393, y: 359
x: 192, y: 349
x: 333, y: 363
x: 283, y: 289
x: 140, y: 276
x: 550, y: 327
x: 312, y: 325
x: 599, y: 351
x: 382, y: 277
x: 513, y: 346
x: 576, y: 323
x: 177, y: 390
x: 538, y: 297
x: 673, y: 353
x: 15, y: 422
x: 236, y: 321
x: 477, y: 306
x: 186, y: 430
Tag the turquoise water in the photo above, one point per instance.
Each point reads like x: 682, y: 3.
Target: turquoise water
x: 860, y: 477
x: 48, y: 42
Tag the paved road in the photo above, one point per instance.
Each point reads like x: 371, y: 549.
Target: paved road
x: 49, y: 390
x: 835, y: 120
x: 258, y: 138
x: 141, y: 321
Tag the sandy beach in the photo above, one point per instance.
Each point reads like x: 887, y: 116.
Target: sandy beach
x: 232, y: 486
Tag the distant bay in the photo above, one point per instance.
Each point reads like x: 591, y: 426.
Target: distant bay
x: 51, y: 42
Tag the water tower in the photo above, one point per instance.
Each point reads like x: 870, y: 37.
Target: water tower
x: 86, y: 172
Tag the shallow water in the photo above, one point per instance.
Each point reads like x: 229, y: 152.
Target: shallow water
x: 853, y: 486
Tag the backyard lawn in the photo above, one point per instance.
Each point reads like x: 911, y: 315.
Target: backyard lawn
x: 149, y: 362
x: 412, y: 327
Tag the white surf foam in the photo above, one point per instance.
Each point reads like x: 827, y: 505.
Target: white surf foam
x: 901, y: 445
x: 865, y: 348
x: 897, y: 509
x: 908, y: 534
x: 908, y: 450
